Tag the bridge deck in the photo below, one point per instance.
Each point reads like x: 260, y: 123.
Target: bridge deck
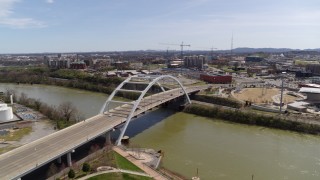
x: 24, y: 159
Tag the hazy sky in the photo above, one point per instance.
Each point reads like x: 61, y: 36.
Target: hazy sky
x: 108, y: 25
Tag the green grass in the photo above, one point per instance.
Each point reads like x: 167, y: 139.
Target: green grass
x: 17, y: 134
x: 6, y: 149
x: 119, y: 176
x: 123, y: 163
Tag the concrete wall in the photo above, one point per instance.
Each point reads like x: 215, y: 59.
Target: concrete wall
x: 263, y: 108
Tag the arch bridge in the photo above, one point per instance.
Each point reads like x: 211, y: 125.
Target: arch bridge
x: 148, y: 81
x: 25, y: 159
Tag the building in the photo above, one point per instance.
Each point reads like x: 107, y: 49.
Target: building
x: 78, y: 65
x: 216, y: 78
x: 198, y: 62
x: 313, y: 94
x: 177, y: 63
x: 5, y: 113
x: 302, y: 74
x: 254, y: 70
x: 298, y: 106
x: 313, y: 68
x: 309, y: 85
x: 253, y: 59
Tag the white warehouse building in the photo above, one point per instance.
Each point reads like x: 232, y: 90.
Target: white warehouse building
x: 5, y: 113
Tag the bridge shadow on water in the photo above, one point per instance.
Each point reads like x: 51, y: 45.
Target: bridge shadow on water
x: 145, y: 121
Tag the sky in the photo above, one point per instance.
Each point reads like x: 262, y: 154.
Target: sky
x: 36, y: 26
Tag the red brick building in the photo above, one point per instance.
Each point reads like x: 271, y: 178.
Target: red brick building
x: 216, y: 79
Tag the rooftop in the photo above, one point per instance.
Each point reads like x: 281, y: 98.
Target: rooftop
x: 310, y: 90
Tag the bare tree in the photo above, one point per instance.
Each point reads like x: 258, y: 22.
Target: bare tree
x: 67, y: 111
x: 37, y: 104
x: 23, y: 99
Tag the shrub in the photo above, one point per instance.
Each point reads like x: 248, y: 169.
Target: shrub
x: 71, y: 174
x: 86, y: 167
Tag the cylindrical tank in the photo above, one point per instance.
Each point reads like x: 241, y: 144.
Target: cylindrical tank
x: 5, y: 113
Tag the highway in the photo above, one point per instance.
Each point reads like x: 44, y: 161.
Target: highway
x: 20, y: 161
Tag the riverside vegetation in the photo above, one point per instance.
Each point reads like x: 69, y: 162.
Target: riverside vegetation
x: 239, y: 116
x: 63, y: 115
x: 64, y: 77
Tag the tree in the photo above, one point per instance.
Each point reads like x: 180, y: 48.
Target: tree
x: 67, y: 111
x: 37, y: 104
x: 71, y: 174
x: 86, y: 167
x: 23, y: 99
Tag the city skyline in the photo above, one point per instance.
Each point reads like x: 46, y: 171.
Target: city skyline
x: 82, y: 26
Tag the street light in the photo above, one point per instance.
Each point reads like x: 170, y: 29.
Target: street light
x: 281, y: 96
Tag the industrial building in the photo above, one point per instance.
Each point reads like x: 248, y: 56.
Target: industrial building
x: 313, y: 94
x: 216, y: 78
x: 5, y: 113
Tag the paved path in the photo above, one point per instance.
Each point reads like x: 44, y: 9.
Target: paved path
x: 114, y: 171
x: 152, y: 173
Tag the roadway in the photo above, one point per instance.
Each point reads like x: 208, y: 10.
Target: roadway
x: 20, y: 161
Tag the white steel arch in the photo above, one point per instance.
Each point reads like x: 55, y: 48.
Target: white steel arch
x: 154, y: 80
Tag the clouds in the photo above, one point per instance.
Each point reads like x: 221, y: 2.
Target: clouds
x: 8, y: 19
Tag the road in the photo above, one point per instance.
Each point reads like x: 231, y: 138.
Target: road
x: 18, y: 162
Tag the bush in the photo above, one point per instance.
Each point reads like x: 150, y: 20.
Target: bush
x: 86, y: 167
x: 71, y: 174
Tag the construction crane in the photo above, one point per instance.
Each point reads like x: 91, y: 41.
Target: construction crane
x: 181, y: 45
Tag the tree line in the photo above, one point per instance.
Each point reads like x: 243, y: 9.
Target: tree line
x: 251, y: 118
x: 64, y: 77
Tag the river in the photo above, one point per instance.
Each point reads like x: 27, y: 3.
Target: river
x: 220, y: 150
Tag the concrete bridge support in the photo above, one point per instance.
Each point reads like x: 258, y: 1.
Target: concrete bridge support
x: 108, y: 138
x: 59, y: 160
x: 69, y: 161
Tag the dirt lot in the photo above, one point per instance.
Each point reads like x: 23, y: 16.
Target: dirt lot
x: 261, y: 95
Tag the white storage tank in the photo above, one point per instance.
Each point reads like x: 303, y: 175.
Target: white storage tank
x: 5, y: 113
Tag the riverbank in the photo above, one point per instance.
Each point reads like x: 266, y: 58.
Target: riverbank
x: 65, y: 78
x: 242, y: 117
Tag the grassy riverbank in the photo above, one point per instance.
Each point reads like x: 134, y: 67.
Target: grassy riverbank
x: 119, y: 176
x: 16, y: 135
x: 239, y: 116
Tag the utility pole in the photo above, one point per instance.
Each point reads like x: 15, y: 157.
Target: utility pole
x: 281, y: 95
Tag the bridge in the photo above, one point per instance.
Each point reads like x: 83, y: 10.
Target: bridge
x: 25, y: 159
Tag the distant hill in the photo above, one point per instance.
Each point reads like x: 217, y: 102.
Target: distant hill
x: 267, y: 50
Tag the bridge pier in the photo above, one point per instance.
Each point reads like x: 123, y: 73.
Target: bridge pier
x: 59, y: 160
x: 108, y: 138
x: 69, y: 161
